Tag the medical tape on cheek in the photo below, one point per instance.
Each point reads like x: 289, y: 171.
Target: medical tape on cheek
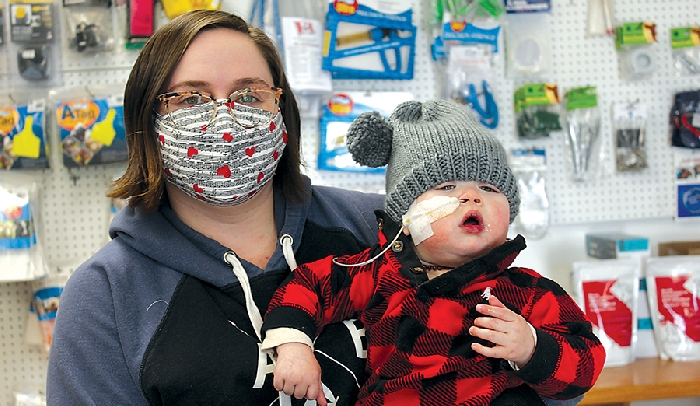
x: 420, y: 215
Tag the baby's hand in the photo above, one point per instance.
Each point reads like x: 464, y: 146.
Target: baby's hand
x: 297, y: 373
x: 508, y: 331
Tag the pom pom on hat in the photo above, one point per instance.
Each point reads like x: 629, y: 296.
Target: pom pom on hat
x: 369, y: 140
x: 426, y: 144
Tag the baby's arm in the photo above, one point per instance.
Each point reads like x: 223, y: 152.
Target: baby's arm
x: 565, y: 359
x: 297, y: 372
x: 512, y: 336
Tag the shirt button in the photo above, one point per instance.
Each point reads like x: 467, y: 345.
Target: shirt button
x: 397, y: 246
x: 380, y: 224
x: 417, y: 270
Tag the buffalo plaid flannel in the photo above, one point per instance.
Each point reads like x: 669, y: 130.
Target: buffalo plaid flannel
x: 419, y: 348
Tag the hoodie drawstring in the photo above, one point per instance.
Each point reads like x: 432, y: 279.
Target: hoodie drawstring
x: 254, y: 315
x: 286, y: 242
x: 251, y: 307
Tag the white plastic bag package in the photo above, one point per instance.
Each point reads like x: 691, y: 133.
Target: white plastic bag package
x: 607, y: 291
x: 673, y: 286
x: 20, y: 243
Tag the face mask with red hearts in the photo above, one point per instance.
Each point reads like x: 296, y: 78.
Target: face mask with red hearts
x: 217, y: 161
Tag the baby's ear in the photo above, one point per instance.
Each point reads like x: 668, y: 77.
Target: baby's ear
x: 369, y: 139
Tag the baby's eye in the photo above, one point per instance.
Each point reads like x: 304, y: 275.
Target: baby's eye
x: 445, y: 186
x: 489, y: 188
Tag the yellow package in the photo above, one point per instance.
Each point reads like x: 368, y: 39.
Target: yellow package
x: 174, y: 8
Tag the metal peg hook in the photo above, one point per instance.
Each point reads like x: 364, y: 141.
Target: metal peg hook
x: 73, y: 176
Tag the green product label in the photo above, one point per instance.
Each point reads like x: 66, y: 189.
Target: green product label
x: 685, y: 37
x: 635, y: 34
x: 581, y: 98
x: 537, y: 94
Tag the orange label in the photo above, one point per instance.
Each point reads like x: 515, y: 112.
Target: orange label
x: 71, y: 113
x: 695, y: 35
x: 9, y: 118
x: 340, y: 104
x: 458, y: 26
x: 346, y: 7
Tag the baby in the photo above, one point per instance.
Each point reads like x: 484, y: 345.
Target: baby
x: 448, y: 320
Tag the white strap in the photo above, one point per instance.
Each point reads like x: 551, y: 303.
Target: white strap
x: 251, y: 307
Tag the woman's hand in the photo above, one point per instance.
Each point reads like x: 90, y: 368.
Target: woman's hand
x: 510, y: 333
x: 297, y: 373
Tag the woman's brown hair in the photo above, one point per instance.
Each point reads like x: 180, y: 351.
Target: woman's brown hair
x: 143, y: 183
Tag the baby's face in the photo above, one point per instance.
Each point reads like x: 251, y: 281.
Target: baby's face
x: 479, y: 224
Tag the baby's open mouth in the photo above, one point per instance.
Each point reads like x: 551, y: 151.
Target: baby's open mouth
x: 472, y: 218
x: 473, y: 222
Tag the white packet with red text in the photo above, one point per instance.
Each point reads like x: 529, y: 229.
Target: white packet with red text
x: 607, y: 291
x: 673, y: 286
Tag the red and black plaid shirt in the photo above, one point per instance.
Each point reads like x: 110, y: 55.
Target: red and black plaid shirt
x: 419, y: 348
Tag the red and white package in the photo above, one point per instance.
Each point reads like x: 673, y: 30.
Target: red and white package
x: 673, y: 286
x: 607, y: 291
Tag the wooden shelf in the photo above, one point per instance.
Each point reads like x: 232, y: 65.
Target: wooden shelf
x: 645, y: 379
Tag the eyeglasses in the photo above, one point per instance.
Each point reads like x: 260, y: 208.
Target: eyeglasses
x: 264, y: 99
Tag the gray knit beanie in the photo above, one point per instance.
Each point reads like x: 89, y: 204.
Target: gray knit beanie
x: 426, y: 144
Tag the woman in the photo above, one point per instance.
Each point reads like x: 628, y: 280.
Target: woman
x: 168, y: 312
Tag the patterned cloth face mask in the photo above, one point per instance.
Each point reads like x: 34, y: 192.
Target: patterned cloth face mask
x: 217, y: 160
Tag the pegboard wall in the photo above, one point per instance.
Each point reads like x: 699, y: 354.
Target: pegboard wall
x: 75, y: 211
